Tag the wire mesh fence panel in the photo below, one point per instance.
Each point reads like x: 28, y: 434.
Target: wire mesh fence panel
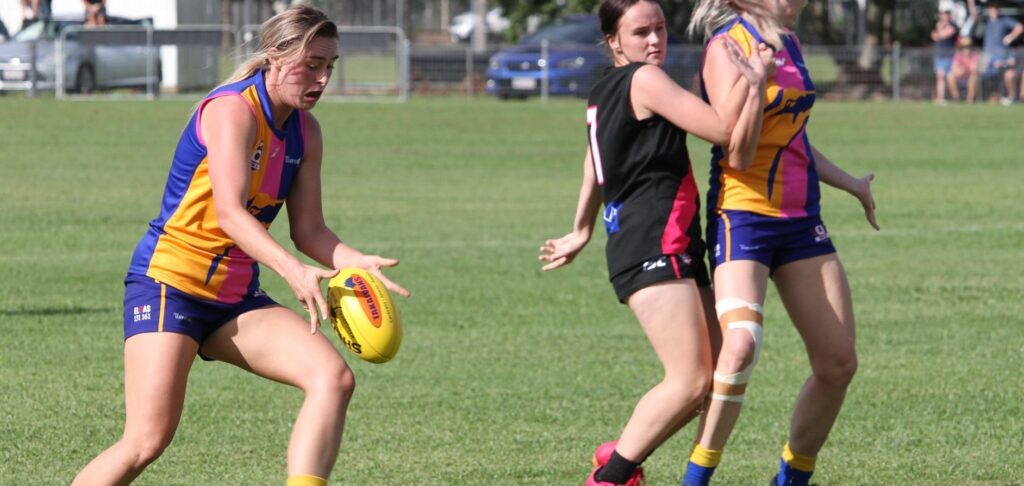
x: 125, y: 62
x: 379, y: 62
x: 373, y: 62
x: 456, y: 69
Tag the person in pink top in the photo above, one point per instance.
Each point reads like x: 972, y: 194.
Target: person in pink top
x: 965, y: 68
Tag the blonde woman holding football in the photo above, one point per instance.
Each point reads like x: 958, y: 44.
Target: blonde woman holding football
x: 192, y: 287
x: 637, y: 167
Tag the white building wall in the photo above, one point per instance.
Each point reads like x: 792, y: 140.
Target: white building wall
x: 165, y: 14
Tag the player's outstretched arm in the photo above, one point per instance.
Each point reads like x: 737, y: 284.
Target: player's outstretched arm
x: 563, y: 251
x: 859, y: 188
x: 310, y: 233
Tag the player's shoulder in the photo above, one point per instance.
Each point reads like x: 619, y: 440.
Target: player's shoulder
x: 231, y: 108
x: 650, y: 76
x: 312, y: 123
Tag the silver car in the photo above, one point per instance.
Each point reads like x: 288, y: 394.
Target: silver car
x: 87, y: 66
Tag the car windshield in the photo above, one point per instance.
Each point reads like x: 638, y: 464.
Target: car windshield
x: 565, y: 33
x: 40, y: 30
x: 30, y: 33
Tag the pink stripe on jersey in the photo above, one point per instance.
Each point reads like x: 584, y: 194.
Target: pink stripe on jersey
x: 794, y: 179
x: 236, y: 282
x: 271, y: 184
x: 674, y: 240
x: 787, y: 74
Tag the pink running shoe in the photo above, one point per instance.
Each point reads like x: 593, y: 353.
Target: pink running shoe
x: 601, y: 456
x: 603, y: 453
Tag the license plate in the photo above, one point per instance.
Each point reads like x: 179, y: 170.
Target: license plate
x: 524, y: 83
x: 14, y: 75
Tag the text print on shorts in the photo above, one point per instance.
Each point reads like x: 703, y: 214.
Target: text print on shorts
x: 820, y: 233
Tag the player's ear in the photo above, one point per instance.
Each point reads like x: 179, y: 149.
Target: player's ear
x: 613, y: 43
x: 273, y: 56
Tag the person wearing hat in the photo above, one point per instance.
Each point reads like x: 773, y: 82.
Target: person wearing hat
x: 965, y: 68
x: 944, y: 36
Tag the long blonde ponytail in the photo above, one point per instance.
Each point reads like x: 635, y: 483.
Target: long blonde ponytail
x: 283, y: 36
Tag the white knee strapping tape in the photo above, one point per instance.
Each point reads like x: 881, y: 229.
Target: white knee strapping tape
x: 756, y: 333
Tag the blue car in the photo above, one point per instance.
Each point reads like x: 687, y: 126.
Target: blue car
x: 576, y: 60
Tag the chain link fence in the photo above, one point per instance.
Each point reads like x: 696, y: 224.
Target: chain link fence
x: 381, y: 63
x: 839, y: 72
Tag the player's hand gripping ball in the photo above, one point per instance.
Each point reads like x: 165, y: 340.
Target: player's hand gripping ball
x: 364, y: 315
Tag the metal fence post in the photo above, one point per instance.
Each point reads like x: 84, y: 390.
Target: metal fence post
x: 150, y: 84
x: 895, y: 63
x: 469, y: 72
x: 544, y: 80
x: 58, y: 66
x: 33, y: 59
x: 403, y: 78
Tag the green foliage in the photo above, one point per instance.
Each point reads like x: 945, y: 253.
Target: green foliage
x: 908, y: 21
x: 677, y: 12
x: 507, y: 375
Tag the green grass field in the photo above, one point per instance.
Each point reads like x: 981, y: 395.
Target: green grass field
x: 507, y: 375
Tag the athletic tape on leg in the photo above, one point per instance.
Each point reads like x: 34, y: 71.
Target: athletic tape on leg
x: 738, y: 314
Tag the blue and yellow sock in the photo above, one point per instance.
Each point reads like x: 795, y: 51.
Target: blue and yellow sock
x: 794, y: 469
x: 701, y: 466
x: 306, y: 480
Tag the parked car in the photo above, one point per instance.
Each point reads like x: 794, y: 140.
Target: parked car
x: 87, y: 66
x: 576, y: 60
x: 461, y: 27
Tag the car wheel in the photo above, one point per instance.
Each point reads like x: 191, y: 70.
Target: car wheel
x: 85, y: 80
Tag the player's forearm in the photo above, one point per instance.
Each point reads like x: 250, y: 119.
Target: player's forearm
x: 253, y: 238
x: 832, y: 174
x: 325, y: 247
x: 744, y: 138
x: 589, y: 201
x: 730, y: 109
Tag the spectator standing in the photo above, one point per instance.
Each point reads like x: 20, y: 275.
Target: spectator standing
x: 944, y: 35
x: 33, y: 10
x: 95, y: 12
x: 1000, y: 32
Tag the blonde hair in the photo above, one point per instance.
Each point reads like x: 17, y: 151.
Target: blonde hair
x: 712, y: 15
x: 284, y: 36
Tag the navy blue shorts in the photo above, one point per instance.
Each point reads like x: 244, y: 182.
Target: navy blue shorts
x: 742, y: 235
x: 152, y: 306
x: 660, y: 269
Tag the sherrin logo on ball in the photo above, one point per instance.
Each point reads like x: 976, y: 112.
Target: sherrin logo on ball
x: 364, y: 315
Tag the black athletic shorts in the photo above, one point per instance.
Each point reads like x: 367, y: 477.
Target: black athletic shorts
x: 660, y: 269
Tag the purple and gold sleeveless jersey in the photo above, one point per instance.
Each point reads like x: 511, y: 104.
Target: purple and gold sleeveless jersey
x: 185, y: 246
x: 782, y: 181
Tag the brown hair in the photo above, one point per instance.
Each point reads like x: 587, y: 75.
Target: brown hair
x: 283, y: 36
x: 611, y: 12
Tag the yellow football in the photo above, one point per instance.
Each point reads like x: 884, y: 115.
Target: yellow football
x: 364, y: 315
